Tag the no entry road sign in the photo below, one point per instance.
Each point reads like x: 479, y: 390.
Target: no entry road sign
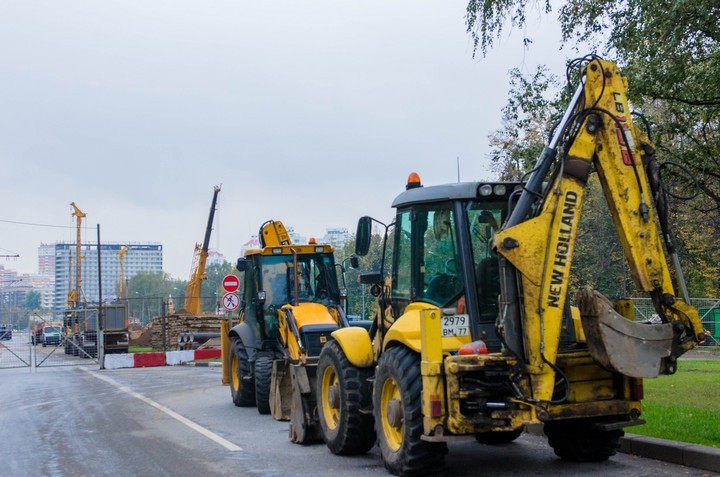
x: 230, y: 283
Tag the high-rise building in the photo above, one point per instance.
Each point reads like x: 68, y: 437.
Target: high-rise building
x: 296, y: 237
x: 46, y: 259
x: 336, y: 236
x: 140, y: 257
x: 215, y: 258
x: 251, y: 244
x: 14, y: 287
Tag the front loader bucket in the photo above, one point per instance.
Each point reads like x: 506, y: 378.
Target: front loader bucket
x: 280, y: 391
x: 304, y: 424
x: 617, y: 344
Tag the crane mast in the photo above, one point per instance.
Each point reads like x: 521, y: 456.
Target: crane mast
x: 74, y: 295
x: 192, y: 294
x: 121, y: 283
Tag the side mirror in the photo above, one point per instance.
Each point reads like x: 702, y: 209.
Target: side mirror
x: 354, y: 262
x: 242, y: 265
x: 363, y: 235
x: 369, y: 278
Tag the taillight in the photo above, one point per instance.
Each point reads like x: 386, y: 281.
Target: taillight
x: 435, y: 405
x: 476, y: 347
x: 637, y: 389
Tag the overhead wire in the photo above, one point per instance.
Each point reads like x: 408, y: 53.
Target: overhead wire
x: 36, y: 224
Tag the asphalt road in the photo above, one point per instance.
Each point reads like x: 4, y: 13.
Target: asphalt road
x: 180, y: 420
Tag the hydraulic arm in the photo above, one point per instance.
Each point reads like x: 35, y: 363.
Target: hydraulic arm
x: 538, y: 241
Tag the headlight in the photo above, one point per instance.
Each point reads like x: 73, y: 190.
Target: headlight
x: 499, y: 189
x: 485, y: 190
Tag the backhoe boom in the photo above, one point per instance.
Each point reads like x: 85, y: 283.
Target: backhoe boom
x: 541, y: 248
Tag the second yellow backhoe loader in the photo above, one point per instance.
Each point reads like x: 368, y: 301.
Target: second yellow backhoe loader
x: 290, y: 304
x: 475, y: 336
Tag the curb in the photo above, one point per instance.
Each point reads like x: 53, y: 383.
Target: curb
x: 674, y: 452
x: 204, y: 364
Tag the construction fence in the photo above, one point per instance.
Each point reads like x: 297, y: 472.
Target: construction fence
x: 708, y: 308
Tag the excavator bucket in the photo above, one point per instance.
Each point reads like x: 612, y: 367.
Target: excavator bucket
x: 304, y: 425
x: 618, y: 344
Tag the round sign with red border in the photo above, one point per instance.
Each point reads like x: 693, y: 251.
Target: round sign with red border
x: 230, y: 283
x: 230, y: 301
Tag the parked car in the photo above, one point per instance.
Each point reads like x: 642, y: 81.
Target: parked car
x: 6, y: 332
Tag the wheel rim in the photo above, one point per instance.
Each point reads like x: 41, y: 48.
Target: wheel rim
x: 391, y: 414
x: 234, y: 372
x: 330, y: 397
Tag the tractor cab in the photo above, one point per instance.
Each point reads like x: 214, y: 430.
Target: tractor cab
x: 443, y: 254
x: 285, y: 275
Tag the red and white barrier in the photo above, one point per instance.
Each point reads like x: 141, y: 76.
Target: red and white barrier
x: 169, y: 358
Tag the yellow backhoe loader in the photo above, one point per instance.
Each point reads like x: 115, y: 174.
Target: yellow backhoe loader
x: 475, y: 336
x: 290, y: 304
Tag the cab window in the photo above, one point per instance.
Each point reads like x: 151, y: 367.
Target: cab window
x: 426, y: 264
x: 484, y: 220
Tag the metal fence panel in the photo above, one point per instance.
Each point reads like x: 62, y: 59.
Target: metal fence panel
x: 76, y: 344
x: 708, y: 308
x: 14, y: 348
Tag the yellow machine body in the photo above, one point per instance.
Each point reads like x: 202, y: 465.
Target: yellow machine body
x: 577, y: 369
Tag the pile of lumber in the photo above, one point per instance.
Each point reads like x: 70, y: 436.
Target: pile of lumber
x: 181, y: 323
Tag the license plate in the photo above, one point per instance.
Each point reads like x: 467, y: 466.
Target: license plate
x: 455, y: 325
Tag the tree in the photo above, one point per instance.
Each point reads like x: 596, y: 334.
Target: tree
x: 670, y: 52
x: 148, y: 290
x: 359, y: 297
x: 32, y: 301
x: 526, y: 120
x: 211, y: 288
x: 599, y: 262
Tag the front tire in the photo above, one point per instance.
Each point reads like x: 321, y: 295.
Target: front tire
x: 397, y: 401
x: 577, y: 441
x: 343, y: 392
x: 263, y: 380
x: 242, y: 385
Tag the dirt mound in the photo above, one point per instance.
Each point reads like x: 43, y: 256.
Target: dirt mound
x: 141, y: 338
x: 212, y: 343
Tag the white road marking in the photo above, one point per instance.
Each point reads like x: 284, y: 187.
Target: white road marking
x: 196, y: 427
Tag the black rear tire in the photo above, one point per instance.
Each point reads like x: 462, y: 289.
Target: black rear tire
x: 346, y: 429
x: 397, y: 403
x: 242, y: 385
x: 263, y: 380
x: 577, y: 441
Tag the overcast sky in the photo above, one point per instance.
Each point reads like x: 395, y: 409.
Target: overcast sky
x: 310, y: 112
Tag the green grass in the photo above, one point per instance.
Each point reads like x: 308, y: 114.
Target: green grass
x: 139, y: 349
x: 685, y: 406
